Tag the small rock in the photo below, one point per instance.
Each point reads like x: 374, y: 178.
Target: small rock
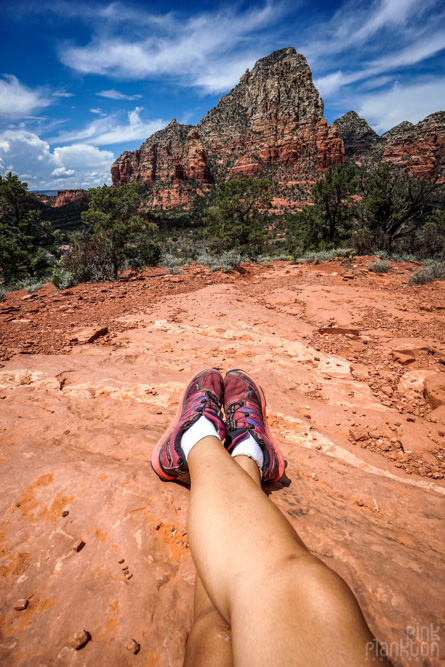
x: 314, y: 477
x: 404, y: 359
x: 360, y: 502
x: 21, y: 604
x: 121, y: 560
x: 65, y: 513
x: 78, y: 545
x: 133, y: 646
x: 358, y: 434
x: 79, y: 639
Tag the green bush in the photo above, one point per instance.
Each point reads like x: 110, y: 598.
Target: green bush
x: 433, y: 271
x: 172, y: 263
x: 237, y: 220
x: 380, y: 267
x: 226, y: 261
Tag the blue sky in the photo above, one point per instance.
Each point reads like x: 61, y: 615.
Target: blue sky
x: 81, y: 82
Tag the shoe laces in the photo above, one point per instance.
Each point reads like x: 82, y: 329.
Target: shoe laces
x: 199, y: 402
x: 245, y: 414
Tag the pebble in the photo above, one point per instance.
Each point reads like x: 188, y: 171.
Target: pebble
x: 121, y: 560
x: 360, y: 503
x: 78, y: 545
x: 133, y: 646
x: 21, y: 604
x: 79, y: 639
x: 314, y: 477
x: 65, y: 513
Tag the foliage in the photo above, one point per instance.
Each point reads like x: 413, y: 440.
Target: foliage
x: 329, y: 220
x: 393, y: 205
x: 226, y: 261
x: 116, y: 237
x: 126, y: 238
x: 24, y: 240
x: 433, y: 271
x: 431, y: 237
x: 380, y: 267
x: 334, y: 255
x: 237, y: 220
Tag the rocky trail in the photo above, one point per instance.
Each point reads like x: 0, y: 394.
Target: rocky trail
x: 95, y: 566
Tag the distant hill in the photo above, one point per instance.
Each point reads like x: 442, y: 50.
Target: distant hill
x: 48, y: 193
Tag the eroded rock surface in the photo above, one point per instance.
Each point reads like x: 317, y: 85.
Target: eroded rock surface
x: 364, y: 450
x: 273, y: 117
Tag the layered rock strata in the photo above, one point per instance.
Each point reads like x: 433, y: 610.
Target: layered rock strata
x: 273, y: 117
x: 418, y: 148
x: 71, y: 197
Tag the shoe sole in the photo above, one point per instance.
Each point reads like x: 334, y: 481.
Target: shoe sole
x: 155, y: 464
x: 281, y: 465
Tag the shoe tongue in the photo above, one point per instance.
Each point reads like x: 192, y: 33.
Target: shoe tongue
x: 235, y: 389
x: 237, y: 435
x: 213, y: 384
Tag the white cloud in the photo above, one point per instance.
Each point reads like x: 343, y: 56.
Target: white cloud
x: 385, y: 109
x: 116, y: 95
x: 109, y: 130
x: 62, y: 93
x: 187, y: 48
x: 61, y: 172
x: 97, y: 111
x: 17, y: 100
x: 76, y: 165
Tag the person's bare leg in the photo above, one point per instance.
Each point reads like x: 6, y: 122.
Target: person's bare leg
x: 210, y: 639
x: 283, y: 605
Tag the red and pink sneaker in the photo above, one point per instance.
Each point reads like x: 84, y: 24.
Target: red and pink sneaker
x: 202, y: 396
x: 245, y: 408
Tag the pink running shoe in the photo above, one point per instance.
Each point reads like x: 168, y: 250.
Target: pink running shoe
x: 245, y: 408
x: 202, y: 396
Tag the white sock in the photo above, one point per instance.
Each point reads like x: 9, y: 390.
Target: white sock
x: 249, y: 447
x: 202, y: 428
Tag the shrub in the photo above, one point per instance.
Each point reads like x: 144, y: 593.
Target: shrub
x: 171, y: 263
x: 380, y: 267
x: 237, y: 219
x: 31, y: 285
x: 61, y: 277
x: 226, y: 261
x: 433, y: 271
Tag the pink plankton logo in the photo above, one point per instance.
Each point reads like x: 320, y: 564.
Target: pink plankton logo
x: 422, y: 641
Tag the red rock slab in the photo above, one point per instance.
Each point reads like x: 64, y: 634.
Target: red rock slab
x: 338, y: 331
x: 438, y: 415
x: 434, y: 390
x: 413, y: 347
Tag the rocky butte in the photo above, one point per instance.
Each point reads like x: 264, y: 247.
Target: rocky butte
x: 419, y: 147
x: 272, y: 118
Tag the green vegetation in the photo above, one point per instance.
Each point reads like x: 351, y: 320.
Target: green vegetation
x: 237, y: 220
x: 380, y: 267
x: 384, y: 213
x: 25, y: 241
x: 116, y: 237
x: 433, y: 271
x: 385, y: 210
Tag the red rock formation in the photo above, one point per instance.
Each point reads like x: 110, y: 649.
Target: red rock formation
x: 417, y: 147
x: 274, y: 116
x: 72, y: 198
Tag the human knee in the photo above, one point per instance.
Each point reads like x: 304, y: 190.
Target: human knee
x: 322, y: 591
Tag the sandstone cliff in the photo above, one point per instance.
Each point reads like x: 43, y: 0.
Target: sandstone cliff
x: 272, y: 118
x: 358, y: 137
x: 419, y: 148
x: 72, y: 198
